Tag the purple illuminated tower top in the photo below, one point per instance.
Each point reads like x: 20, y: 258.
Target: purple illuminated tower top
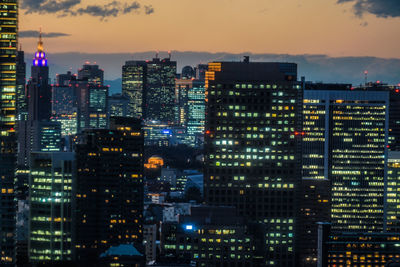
x: 40, y: 59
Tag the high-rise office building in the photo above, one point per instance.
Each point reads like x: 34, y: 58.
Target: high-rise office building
x: 38, y: 88
x: 8, y: 114
x: 50, y: 216
x: 92, y: 106
x: 160, y: 91
x: 118, y: 105
x: 315, y: 205
x: 150, y: 88
x: 65, y: 79
x: 190, y: 108
x: 134, y: 79
x: 196, y: 112
x: 22, y: 103
x: 252, y: 155
x: 64, y: 107
x: 109, y: 189
x: 182, y: 87
x: 91, y: 73
x: 393, y: 192
x: 346, y: 133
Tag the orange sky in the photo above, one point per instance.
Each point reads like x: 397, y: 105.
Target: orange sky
x: 257, y: 26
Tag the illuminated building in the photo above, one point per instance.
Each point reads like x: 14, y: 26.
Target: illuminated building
x: 92, y: 74
x: 92, y: 107
x: 360, y: 249
x: 160, y: 90
x: 196, y: 113
x: 156, y: 134
x: 150, y: 88
x: 109, y: 189
x: 118, y: 106
x: 181, y: 97
x: 393, y: 192
x: 38, y: 133
x: 8, y: 113
x: 50, y: 191
x: 252, y: 155
x: 316, y: 186
x: 38, y: 88
x: 211, y: 236
x: 190, y: 107
x: 38, y: 136
x: 65, y: 109
x: 22, y: 104
x: 394, y: 110
x: 134, y: 79
x: 154, y: 162
x: 8, y: 42
x: 123, y: 256
x: 354, y: 126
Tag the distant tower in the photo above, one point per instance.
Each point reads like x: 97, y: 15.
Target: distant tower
x: 39, y: 90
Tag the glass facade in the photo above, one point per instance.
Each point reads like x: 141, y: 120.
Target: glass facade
x: 349, y: 147
x: 160, y: 95
x: 50, y: 191
x: 134, y: 86
x: 8, y: 114
x: 393, y: 193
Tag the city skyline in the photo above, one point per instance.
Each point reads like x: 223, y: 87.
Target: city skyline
x: 335, y: 28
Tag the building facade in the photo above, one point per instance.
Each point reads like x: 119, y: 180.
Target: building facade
x: 252, y: 154
x: 8, y: 116
x: 134, y: 80
x: 109, y: 189
x: 50, y: 214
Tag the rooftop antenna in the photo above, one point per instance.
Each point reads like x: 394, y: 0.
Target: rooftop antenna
x: 169, y: 54
x: 366, y: 77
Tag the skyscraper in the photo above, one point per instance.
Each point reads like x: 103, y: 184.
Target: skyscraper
x: 38, y: 88
x: 160, y: 91
x: 91, y: 73
x: 190, y: 107
x: 50, y: 217
x: 252, y: 155
x: 22, y: 103
x: 150, y: 88
x: 196, y: 112
x: 8, y: 113
x: 134, y: 79
x: 92, y: 106
x: 109, y: 189
x: 347, y: 134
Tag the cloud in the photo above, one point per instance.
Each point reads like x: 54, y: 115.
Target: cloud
x: 148, y: 10
x: 379, y: 8
x: 77, y: 8
x: 35, y: 34
x: 48, y: 6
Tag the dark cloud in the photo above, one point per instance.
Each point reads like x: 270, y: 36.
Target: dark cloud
x: 49, y: 6
x: 148, y: 10
x: 35, y: 34
x: 76, y: 8
x: 379, y: 8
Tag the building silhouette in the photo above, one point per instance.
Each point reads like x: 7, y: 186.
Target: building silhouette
x: 109, y: 189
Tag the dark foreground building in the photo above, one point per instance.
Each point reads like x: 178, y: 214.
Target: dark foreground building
x: 252, y: 152
x: 212, y: 236
x: 109, y: 189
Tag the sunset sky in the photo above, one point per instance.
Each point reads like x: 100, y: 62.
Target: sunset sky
x: 344, y: 28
